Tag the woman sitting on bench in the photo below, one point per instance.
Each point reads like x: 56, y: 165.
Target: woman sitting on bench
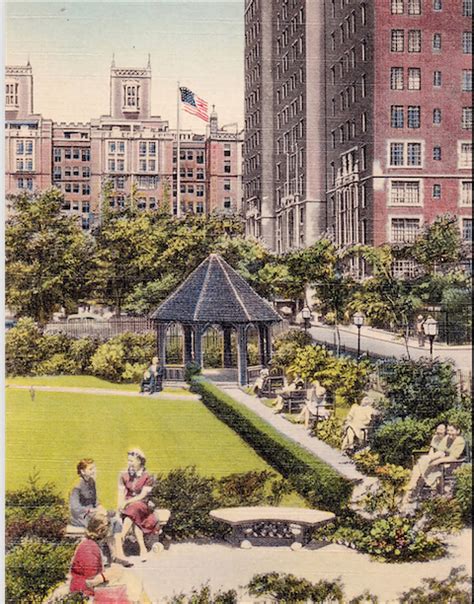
x: 285, y: 393
x: 357, y: 421
x: 315, y: 405
x: 260, y: 381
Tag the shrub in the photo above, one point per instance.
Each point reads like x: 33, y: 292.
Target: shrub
x: 81, y: 352
x: 419, y: 389
x: 212, y: 355
x: 286, y: 347
x: 441, y: 514
x: 58, y: 364
x: 191, y: 370
x: 190, y: 498
x: 330, y: 431
x: 289, y: 588
x: 108, y: 361
x: 205, y: 596
x: 133, y: 372
x: 396, y: 440
x: 463, y: 491
x: 387, y: 497
x: 34, y: 511
x: 318, y: 483
x: 246, y: 488
x: 34, y: 568
x: 366, y: 461
x: 22, y: 348
x: 455, y: 589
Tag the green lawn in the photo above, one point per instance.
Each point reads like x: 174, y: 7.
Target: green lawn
x: 77, y: 381
x: 51, y: 434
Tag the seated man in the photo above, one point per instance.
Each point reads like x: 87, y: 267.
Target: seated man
x: 428, y: 468
x: 259, y: 382
x: 156, y: 375
x: 285, y: 392
x: 83, y: 505
x: 315, y: 404
x: 357, y: 421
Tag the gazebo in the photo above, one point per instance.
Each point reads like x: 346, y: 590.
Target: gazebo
x: 215, y: 294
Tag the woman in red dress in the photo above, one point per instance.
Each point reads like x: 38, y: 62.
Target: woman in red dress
x: 135, y: 486
x: 87, y: 570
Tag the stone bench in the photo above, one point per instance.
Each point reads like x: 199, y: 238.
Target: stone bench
x: 271, y: 525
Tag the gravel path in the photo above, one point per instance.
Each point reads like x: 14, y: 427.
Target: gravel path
x: 188, y: 565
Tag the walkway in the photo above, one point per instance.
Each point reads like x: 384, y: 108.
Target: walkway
x: 295, y: 432
x: 103, y: 391
x: 386, y: 344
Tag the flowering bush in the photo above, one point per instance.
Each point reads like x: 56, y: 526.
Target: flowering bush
x: 463, y: 490
x: 366, y: 461
x: 441, y: 514
x: 387, y: 497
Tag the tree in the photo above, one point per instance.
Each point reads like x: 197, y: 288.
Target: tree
x: 440, y: 243
x: 48, y: 257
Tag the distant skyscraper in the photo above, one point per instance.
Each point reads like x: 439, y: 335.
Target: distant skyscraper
x: 357, y: 119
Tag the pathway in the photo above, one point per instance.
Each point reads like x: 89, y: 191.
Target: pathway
x: 386, y: 344
x: 188, y: 565
x: 105, y: 392
x: 295, y: 432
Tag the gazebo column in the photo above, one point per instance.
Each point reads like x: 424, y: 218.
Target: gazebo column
x: 161, y: 343
x: 188, y: 343
x: 262, y: 345
x: 198, y: 357
x: 227, y: 337
x: 268, y: 343
x: 242, y: 360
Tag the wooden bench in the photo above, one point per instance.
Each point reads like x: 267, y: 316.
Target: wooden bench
x: 270, y: 386
x: 323, y: 412
x: 293, y: 401
x: 273, y: 526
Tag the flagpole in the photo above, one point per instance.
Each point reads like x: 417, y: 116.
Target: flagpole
x: 178, y: 160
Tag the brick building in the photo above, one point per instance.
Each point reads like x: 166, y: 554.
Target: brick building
x: 370, y: 101
x: 126, y: 157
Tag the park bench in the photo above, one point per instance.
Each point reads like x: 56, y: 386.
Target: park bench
x: 76, y: 533
x: 265, y: 525
x: 323, y: 412
x: 271, y: 385
x: 293, y: 401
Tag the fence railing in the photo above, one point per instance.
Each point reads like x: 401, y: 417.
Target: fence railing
x: 101, y: 329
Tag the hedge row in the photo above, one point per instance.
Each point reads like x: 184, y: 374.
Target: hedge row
x: 316, y: 482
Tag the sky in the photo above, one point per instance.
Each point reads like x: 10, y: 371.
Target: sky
x: 70, y: 46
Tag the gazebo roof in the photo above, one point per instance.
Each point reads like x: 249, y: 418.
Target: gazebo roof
x: 215, y: 293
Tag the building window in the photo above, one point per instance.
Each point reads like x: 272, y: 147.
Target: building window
x: 467, y: 80
x: 364, y: 50
x: 86, y: 172
x: 200, y: 173
x: 57, y: 173
x: 437, y: 79
x: 465, y: 155
x: 467, y: 42
x: 120, y: 182
x: 437, y: 116
x: 466, y: 122
x: 414, y: 7
x: 437, y: 153
x: 142, y: 148
x: 227, y: 203
x: 405, y: 154
x: 131, y: 96
x: 396, y: 78
x: 437, y: 5
x: 414, y: 116
x: 11, y: 94
x: 405, y: 192
x: 437, y: 191
x: 397, y: 7
x: 86, y: 190
x: 404, y: 230
x: 397, y: 42
x: 363, y: 14
x: 227, y: 150
x: 466, y: 229
x: 200, y: 157
x: 227, y: 185
x: 466, y: 193
x: 85, y: 155
x: 414, y: 78
x: 199, y: 190
x: 363, y: 121
x: 467, y: 8
x: 414, y: 40
x: 437, y: 42
x: 57, y: 154
x: 397, y: 116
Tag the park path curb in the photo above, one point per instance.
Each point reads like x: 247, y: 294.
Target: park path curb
x: 103, y: 391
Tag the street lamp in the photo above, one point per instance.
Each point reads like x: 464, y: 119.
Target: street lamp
x: 358, y: 320
x: 430, y: 327
x: 306, y: 316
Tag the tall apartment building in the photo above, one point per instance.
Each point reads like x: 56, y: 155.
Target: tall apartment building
x: 284, y: 142
x: 393, y: 88
x: 126, y: 157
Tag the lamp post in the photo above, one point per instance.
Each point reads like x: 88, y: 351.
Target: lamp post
x: 358, y: 320
x: 430, y: 327
x: 306, y: 316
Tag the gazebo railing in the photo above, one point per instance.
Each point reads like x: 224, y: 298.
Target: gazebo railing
x: 253, y: 373
x: 174, y: 373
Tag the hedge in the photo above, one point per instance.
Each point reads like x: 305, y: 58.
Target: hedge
x: 316, y: 482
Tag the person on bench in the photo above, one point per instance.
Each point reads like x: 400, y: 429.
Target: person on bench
x: 83, y: 505
x: 285, y: 392
x: 428, y: 470
x: 259, y: 382
x: 357, y: 421
x: 153, y: 377
x: 135, y: 486
x: 315, y: 405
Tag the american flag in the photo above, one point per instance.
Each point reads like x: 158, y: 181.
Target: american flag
x: 193, y: 104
